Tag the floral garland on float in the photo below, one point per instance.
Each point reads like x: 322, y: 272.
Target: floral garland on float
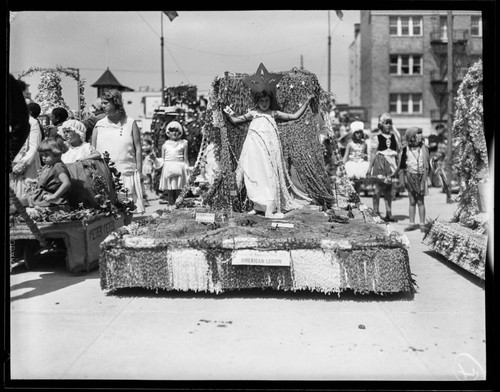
x: 464, y: 239
x: 106, y: 195
x: 50, y: 91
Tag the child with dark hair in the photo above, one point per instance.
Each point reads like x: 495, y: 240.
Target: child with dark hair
x: 57, y: 117
x: 261, y: 167
x: 415, y: 163
x: 54, y: 179
x: 383, y: 164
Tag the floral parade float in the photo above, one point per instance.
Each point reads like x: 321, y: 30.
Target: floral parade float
x: 463, y: 240
x: 99, y: 204
x: 214, y: 245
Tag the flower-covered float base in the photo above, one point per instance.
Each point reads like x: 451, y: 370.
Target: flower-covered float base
x: 321, y: 252
x: 459, y: 244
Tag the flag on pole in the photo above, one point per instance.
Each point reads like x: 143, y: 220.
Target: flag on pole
x: 340, y: 14
x: 171, y: 14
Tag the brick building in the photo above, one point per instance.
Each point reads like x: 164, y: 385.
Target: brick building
x: 398, y: 63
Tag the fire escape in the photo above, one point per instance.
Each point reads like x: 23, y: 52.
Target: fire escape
x: 439, y: 76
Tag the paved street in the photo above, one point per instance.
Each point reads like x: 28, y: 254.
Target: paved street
x: 64, y: 327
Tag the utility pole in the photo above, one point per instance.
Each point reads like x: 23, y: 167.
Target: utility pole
x: 449, y: 23
x: 329, y: 53
x: 162, y: 66
x: 301, y: 62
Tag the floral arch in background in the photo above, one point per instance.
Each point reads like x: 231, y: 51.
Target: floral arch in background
x: 49, y: 94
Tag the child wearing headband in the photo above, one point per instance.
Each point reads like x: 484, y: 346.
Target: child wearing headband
x: 174, y: 153
x: 356, y: 155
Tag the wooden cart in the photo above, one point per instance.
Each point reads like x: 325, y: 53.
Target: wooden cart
x: 81, y: 238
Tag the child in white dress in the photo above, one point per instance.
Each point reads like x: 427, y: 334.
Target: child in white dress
x: 356, y: 155
x: 175, y: 163
x: 261, y: 167
x: 74, y: 133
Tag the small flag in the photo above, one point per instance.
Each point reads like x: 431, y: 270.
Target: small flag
x: 171, y: 14
x: 340, y: 14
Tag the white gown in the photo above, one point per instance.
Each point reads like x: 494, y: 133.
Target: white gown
x: 262, y: 170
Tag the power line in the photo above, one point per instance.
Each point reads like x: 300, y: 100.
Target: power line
x: 225, y: 54
x: 245, y: 54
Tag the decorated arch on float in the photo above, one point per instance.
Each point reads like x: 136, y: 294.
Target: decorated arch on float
x: 50, y: 91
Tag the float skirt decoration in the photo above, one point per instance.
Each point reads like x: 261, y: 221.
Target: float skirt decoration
x: 174, y: 251
x: 459, y: 244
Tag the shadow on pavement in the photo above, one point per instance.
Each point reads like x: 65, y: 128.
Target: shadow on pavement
x: 54, y: 276
x: 303, y: 295
x: 459, y: 270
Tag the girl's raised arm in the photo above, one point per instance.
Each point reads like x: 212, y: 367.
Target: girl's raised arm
x: 236, y: 119
x: 297, y: 114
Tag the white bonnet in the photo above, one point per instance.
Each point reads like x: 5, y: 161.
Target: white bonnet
x: 76, y: 126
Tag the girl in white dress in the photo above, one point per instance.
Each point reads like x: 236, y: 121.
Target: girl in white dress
x: 74, y: 133
x: 261, y: 167
x: 356, y: 155
x: 174, y: 153
x: 119, y: 135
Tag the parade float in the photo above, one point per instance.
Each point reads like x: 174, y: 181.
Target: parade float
x: 464, y: 239
x: 213, y: 245
x: 99, y: 205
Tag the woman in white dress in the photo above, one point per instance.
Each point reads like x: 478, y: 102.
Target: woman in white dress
x: 261, y: 167
x: 119, y: 135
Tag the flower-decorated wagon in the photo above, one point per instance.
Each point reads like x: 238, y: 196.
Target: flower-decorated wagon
x: 464, y: 239
x: 99, y: 206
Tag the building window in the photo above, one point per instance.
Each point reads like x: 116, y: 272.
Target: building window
x: 405, y: 64
x: 394, y: 65
x: 476, y: 26
x: 405, y: 25
x: 417, y: 25
x: 393, y: 103
x: 405, y: 103
x: 393, y: 26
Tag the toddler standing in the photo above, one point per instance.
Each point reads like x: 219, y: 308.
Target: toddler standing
x: 174, y: 154
x: 415, y: 163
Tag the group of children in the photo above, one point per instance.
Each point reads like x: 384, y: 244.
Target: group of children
x: 383, y: 158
